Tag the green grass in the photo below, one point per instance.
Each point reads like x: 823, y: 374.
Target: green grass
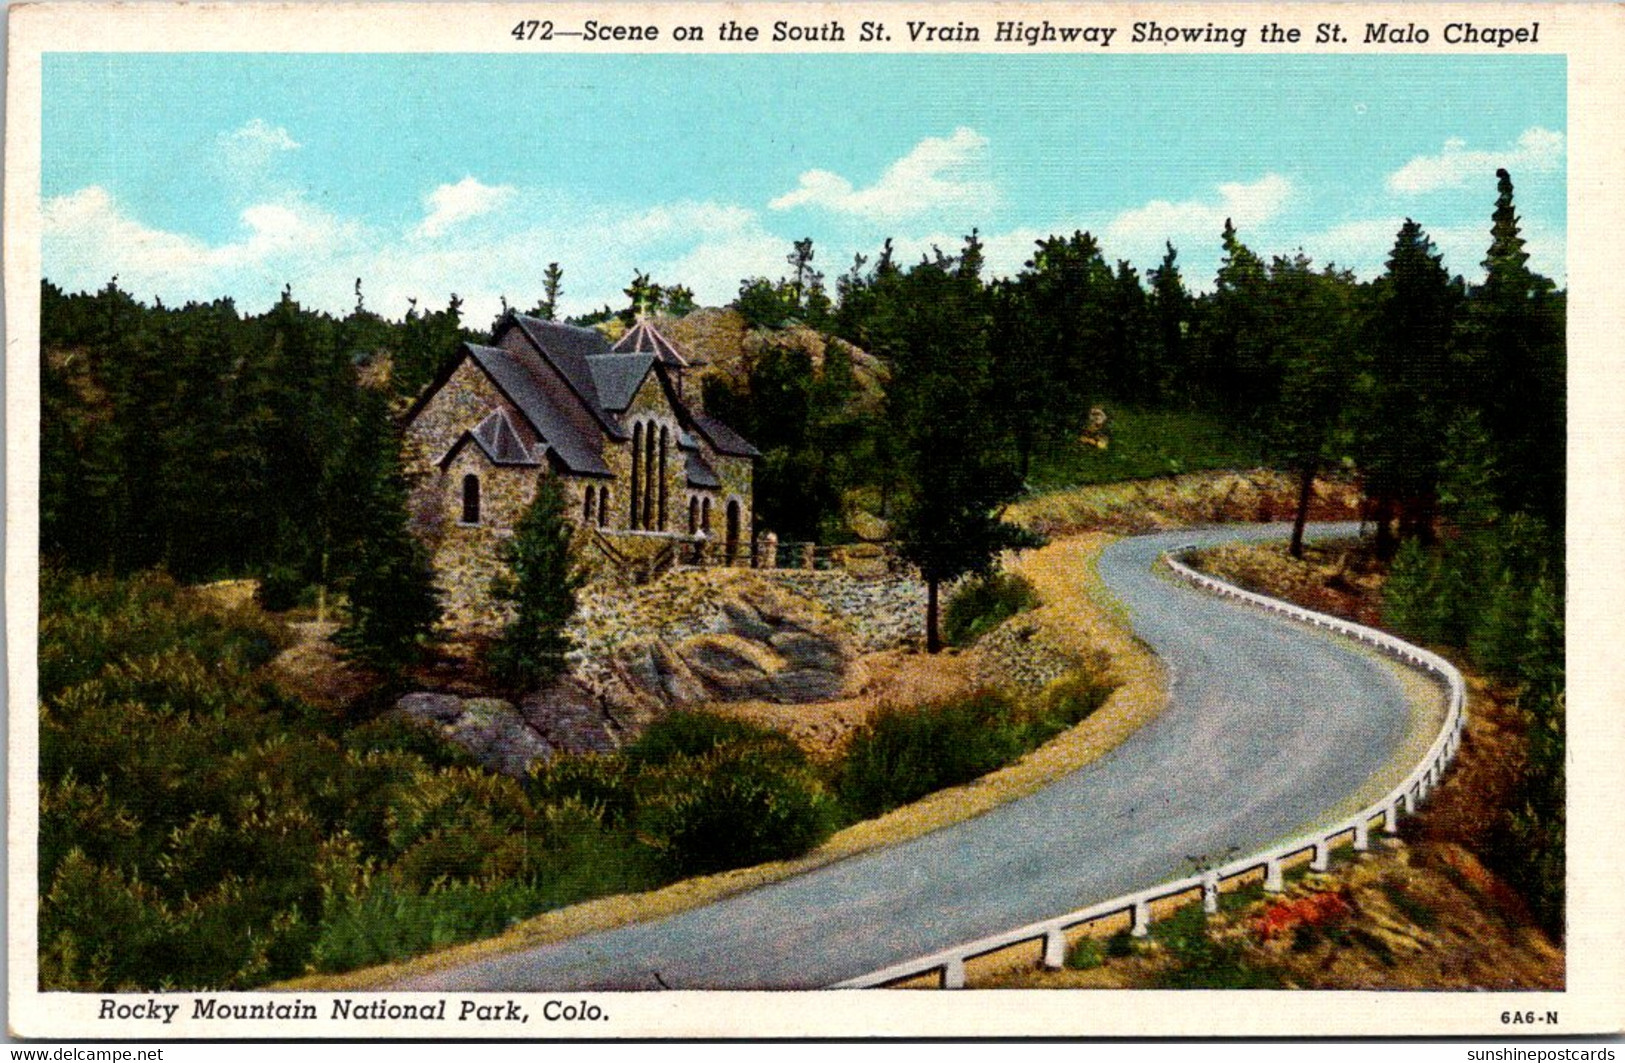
x: 1200, y: 962
x: 903, y: 754
x: 1143, y: 444
x: 1086, y: 955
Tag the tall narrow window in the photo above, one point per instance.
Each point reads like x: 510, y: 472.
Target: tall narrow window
x: 705, y: 515
x: 587, y: 500
x: 662, y: 477
x: 634, y: 518
x: 649, y: 476
x: 603, y: 507
x: 693, y: 516
x: 731, y: 549
x: 471, y: 499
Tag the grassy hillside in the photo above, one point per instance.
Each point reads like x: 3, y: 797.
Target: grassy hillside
x: 1143, y: 443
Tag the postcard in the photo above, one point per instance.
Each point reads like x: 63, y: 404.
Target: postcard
x: 744, y: 520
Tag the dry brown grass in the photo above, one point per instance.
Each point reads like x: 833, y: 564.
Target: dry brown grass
x: 1180, y: 501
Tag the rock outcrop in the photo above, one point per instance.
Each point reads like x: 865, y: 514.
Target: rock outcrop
x: 691, y: 639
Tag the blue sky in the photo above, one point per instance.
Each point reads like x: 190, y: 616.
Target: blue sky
x: 198, y: 175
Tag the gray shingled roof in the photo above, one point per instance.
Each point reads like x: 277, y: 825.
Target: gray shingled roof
x: 573, y: 443
x: 617, y: 377
x: 496, y: 436
x: 725, y: 439
x: 700, y: 473
x: 568, y: 347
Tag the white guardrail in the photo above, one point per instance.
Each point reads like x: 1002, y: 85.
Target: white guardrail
x: 1402, y: 799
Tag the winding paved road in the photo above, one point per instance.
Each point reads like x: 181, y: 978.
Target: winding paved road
x: 1271, y: 727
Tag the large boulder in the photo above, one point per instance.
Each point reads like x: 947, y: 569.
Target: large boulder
x: 498, y: 737
x: 431, y: 707
x: 490, y: 729
x: 571, y: 718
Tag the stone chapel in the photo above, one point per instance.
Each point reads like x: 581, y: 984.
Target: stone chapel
x: 642, y: 466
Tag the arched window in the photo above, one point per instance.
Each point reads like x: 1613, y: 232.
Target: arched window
x: 603, y: 507
x: 662, y: 478
x: 705, y: 515
x: 471, y: 499
x: 634, y: 516
x: 693, y: 516
x: 587, y: 500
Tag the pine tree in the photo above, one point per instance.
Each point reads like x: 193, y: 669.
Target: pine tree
x: 1306, y: 339
x: 383, y: 568
x: 1410, y: 387
x: 1171, y: 310
x: 552, y: 288
x: 1515, y: 348
x: 541, y: 582
x: 958, y: 476
x: 1234, y: 365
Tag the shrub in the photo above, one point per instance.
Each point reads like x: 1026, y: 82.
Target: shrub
x: 983, y: 603
x: 604, y: 783
x: 1085, y: 955
x: 398, y: 733
x: 1200, y: 962
x: 1066, y: 703
x: 904, y: 754
x: 694, y: 734
x: 743, y: 803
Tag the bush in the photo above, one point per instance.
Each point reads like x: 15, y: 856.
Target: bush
x: 904, y: 754
x: 397, y: 733
x: 741, y: 804
x: 1200, y: 962
x: 1066, y: 703
x: 984, y: 603
x: 694, y: 734
x: 1085, y: 955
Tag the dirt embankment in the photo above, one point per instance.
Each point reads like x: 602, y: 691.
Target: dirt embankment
x: 1420, y: 911
x: 1138, y: 506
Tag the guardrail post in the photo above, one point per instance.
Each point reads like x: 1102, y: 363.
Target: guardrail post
x: 953, y: 974
x: 1362, y: 836
x: 1322, y: 860
x: 1274, y: 881
x: 1210, y: 894
x: 1142, y: 919
x: 1410, y: 801
x: 1054, y: 950
x: 1390, y: 819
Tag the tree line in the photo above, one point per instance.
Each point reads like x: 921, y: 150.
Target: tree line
x: 1375, y: 379
x: 213, y: 443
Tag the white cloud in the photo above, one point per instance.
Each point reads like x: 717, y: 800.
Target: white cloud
x: 248, y: 152
x: 1143, y: 230
x: 89, y: 237
x: 448, y: 205
x: 1537, y: 149
x: 939, y: 172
